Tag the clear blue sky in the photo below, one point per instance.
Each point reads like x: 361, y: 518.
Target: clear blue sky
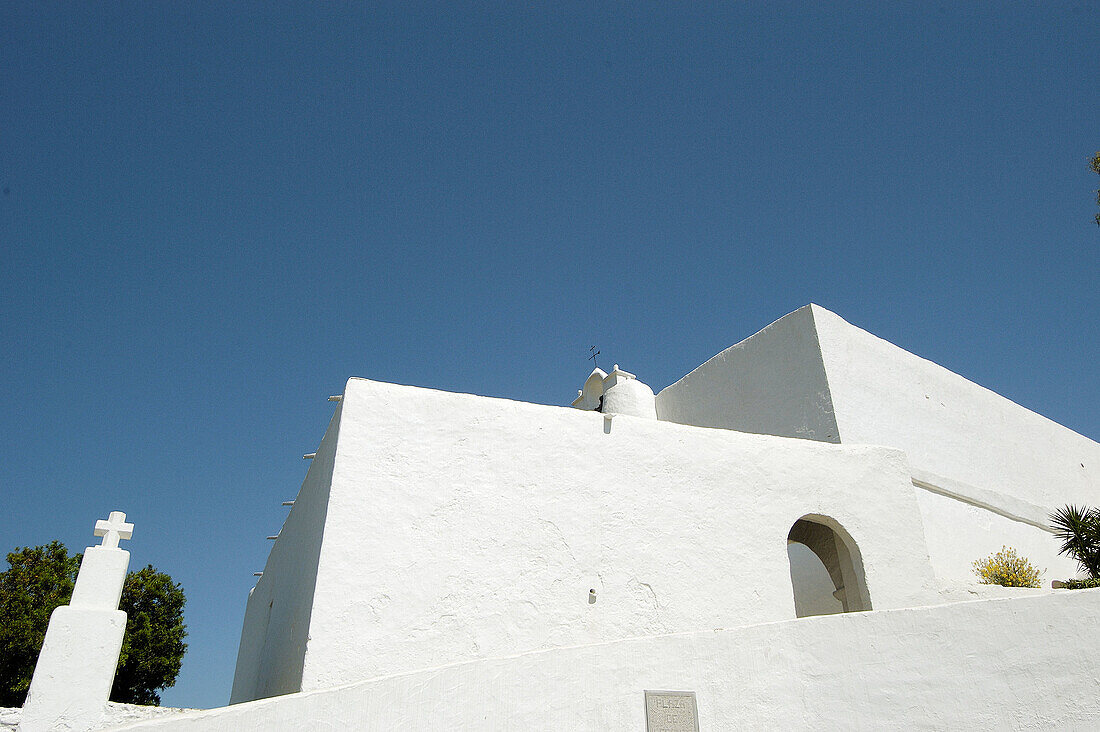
x: 213, y: 215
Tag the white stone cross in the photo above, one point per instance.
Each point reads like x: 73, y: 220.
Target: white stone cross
x: 113, y: 529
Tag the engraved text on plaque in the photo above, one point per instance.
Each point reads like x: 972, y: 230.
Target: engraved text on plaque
x: 671, y: 711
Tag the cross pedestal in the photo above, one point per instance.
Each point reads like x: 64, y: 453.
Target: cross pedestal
x: 76, y: 668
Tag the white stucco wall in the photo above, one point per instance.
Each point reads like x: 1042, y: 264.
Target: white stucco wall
x: 448, y: 527
x: 812, y: 374
x: 771, y: 383
x: 949, y: 426
x: 463, y: 527
x: 957, y: 534
x: 277, y: 616
x: 987, y: 665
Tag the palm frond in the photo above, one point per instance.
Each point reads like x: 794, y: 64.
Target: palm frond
x: 1078, y: 529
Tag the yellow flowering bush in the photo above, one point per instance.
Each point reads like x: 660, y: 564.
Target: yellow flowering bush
x: 1008, y: 569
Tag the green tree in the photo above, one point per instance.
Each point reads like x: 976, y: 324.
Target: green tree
x: 153, y: 647
x: 41, y: 578
x: 1079, y: 531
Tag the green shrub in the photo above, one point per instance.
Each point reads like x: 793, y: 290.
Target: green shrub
x: 1008, y: 569
x: 1081, y: 584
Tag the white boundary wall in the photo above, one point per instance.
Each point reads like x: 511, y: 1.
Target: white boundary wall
x: 1020, y: 663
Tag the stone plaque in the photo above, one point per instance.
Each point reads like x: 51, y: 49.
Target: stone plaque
x: 671, y: 711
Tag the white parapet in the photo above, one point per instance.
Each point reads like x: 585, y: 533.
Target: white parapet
x: 985, y: 665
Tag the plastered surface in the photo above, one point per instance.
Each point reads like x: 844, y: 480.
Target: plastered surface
x: 957, y: 534
x: 464, y: 527
x: 987, y: 665
x: 988, y: 471
x: 771, y: 383
x: 437, y: 528
x: 949, y: 426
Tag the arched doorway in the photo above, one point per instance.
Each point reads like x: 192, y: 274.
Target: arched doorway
x: 826, y: 568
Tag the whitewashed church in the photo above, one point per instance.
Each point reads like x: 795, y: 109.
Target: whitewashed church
x: 782, y: 539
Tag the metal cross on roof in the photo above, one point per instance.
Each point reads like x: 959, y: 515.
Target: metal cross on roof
x: 113, y: 529
x: 592, y: 358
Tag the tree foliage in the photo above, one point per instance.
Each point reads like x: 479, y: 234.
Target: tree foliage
x: 1078, y: 528
x: 41, y: 578
x: 153, y: 647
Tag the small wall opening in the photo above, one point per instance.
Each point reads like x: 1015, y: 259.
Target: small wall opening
x: 826, y: 568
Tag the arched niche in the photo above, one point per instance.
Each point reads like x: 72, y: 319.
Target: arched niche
x: 829, y: 577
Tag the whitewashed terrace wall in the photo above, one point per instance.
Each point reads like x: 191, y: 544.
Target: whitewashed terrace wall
x: 462, y: 527
x: 986, y: 665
